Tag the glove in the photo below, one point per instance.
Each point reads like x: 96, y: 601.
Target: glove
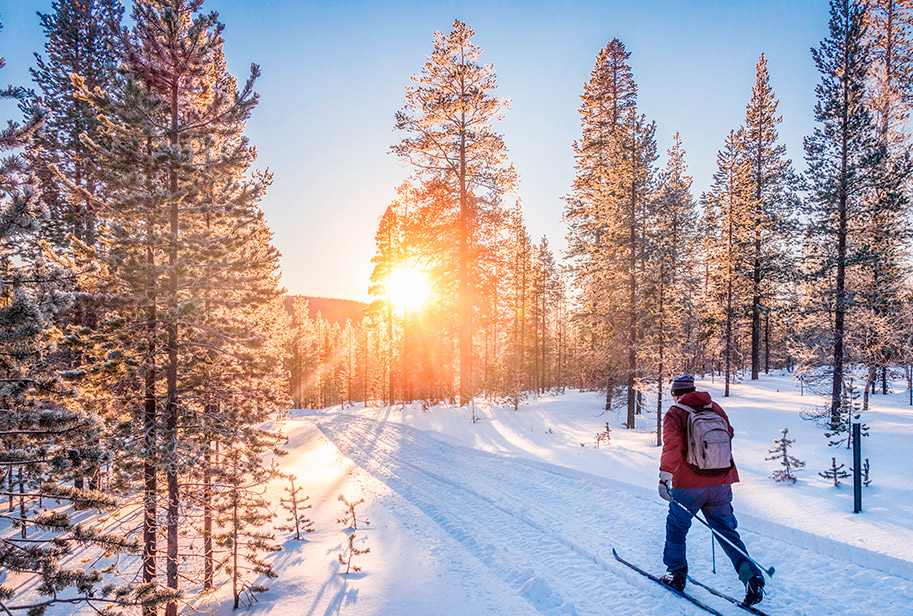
x: 665, y: 485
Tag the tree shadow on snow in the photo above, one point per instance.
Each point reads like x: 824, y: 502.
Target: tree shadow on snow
x: 344, y: 596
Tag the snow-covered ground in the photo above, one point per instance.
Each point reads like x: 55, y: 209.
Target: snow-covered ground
x: 511, y: 515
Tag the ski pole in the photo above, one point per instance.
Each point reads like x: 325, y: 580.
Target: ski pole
x: 769, y: 572
x: 713, y: 551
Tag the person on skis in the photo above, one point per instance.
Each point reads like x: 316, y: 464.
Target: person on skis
x: 689, y: 488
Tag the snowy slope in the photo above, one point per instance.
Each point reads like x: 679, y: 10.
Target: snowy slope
x: 512, y: 516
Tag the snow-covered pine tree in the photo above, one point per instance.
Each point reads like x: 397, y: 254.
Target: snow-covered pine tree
x: 605, y: 436
x: 605, y: 211
x: 237, y: 383
x: 43, y: 441
x: 520, y: 278
x: 80, y: 39
x: 298, y: 308
x: 349, y: 518
x: 242, y: 515
x: 296, y: 504
x: 835, y: 473
x: 839, y: 430
x: 788, y: 462
x: 352, y: 552
x: 346, y: 379
x: 671, y: 229
x: 727, y: 234
x: 771, y: 201
x: 447, y: 123
x: 546, y: 292
x: 190, y: 262
x: 390, y: 257
x: 880, y: 281
x: 842, y: 154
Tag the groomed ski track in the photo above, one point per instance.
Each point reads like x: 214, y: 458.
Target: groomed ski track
x: 547, y: 532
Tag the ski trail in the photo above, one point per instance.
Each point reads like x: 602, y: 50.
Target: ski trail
x: 548, y: 533
x: 554, y: 574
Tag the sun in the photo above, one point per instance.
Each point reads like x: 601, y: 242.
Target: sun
x: 408, y: 288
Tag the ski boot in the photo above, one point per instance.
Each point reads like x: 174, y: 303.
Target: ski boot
x: 754, y: 590
x: 676, y: 579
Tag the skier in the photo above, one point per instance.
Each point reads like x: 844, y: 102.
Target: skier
x: 697, y: 489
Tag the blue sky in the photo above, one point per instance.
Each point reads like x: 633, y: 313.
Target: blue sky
x: 334, y: 73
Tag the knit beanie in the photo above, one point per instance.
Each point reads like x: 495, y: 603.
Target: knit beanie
x: 682, y: 385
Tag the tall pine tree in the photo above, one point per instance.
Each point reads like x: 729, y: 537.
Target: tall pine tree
x: 841, y: 154
x: 188, y: 259
x: 771, y: 200
x: 447, y: 122
x: 605, y: 213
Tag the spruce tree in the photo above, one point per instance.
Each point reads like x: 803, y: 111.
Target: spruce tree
x: 521, y: 277
x: 391, y: 257
x: 770, y: 181
x: 671, y: 232
x: 296, y: 504
x: 605, y: 212
x: 243, y: 516
x: 835, y: 473
x: 200, y: 329
x: 44, y: 440
x: 727, y: 230
x: 841, y: 155
x: 81, y: 39
x: 447, y: 122
x: 546, y: 293
x: 788, y: 462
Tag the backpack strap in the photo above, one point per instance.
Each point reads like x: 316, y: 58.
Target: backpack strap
x: 691, y: 410
x: 684, y: 407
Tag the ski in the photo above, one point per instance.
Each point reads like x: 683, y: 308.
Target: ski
x: 681, y: 594
x: 733, y: 600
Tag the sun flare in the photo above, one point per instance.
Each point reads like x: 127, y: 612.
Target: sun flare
x: 408, y: 288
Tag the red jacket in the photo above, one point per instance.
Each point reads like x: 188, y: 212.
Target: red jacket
x: 685, y: 475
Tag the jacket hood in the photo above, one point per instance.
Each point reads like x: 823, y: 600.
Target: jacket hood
x: 696, y: 399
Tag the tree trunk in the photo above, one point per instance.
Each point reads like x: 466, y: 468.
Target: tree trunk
x: 235, y: 533
x: 295, y: 510
x: 869, y: 381
x: 464, y: 299
x: 756, y: 273
x: 391, y: 399
x: 150, y: 436
x: 171, y: 375
x: 729, y: 274
x: 207, y: 510
x: 659, y: 372
x: 632, y: 293
x: 840, y: 283
x: 24, y: 530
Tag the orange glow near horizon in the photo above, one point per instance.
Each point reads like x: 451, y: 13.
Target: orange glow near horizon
x: 408, y: 288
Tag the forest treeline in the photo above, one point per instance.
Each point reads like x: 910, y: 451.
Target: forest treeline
x: 146, y: 342
x: 767, y: 269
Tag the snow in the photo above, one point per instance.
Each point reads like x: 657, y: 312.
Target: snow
x: 510, y: 515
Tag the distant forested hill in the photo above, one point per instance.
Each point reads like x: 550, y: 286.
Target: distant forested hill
x: 333, y: 309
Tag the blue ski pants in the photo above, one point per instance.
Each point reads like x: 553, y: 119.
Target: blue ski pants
x: 716, y: 504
